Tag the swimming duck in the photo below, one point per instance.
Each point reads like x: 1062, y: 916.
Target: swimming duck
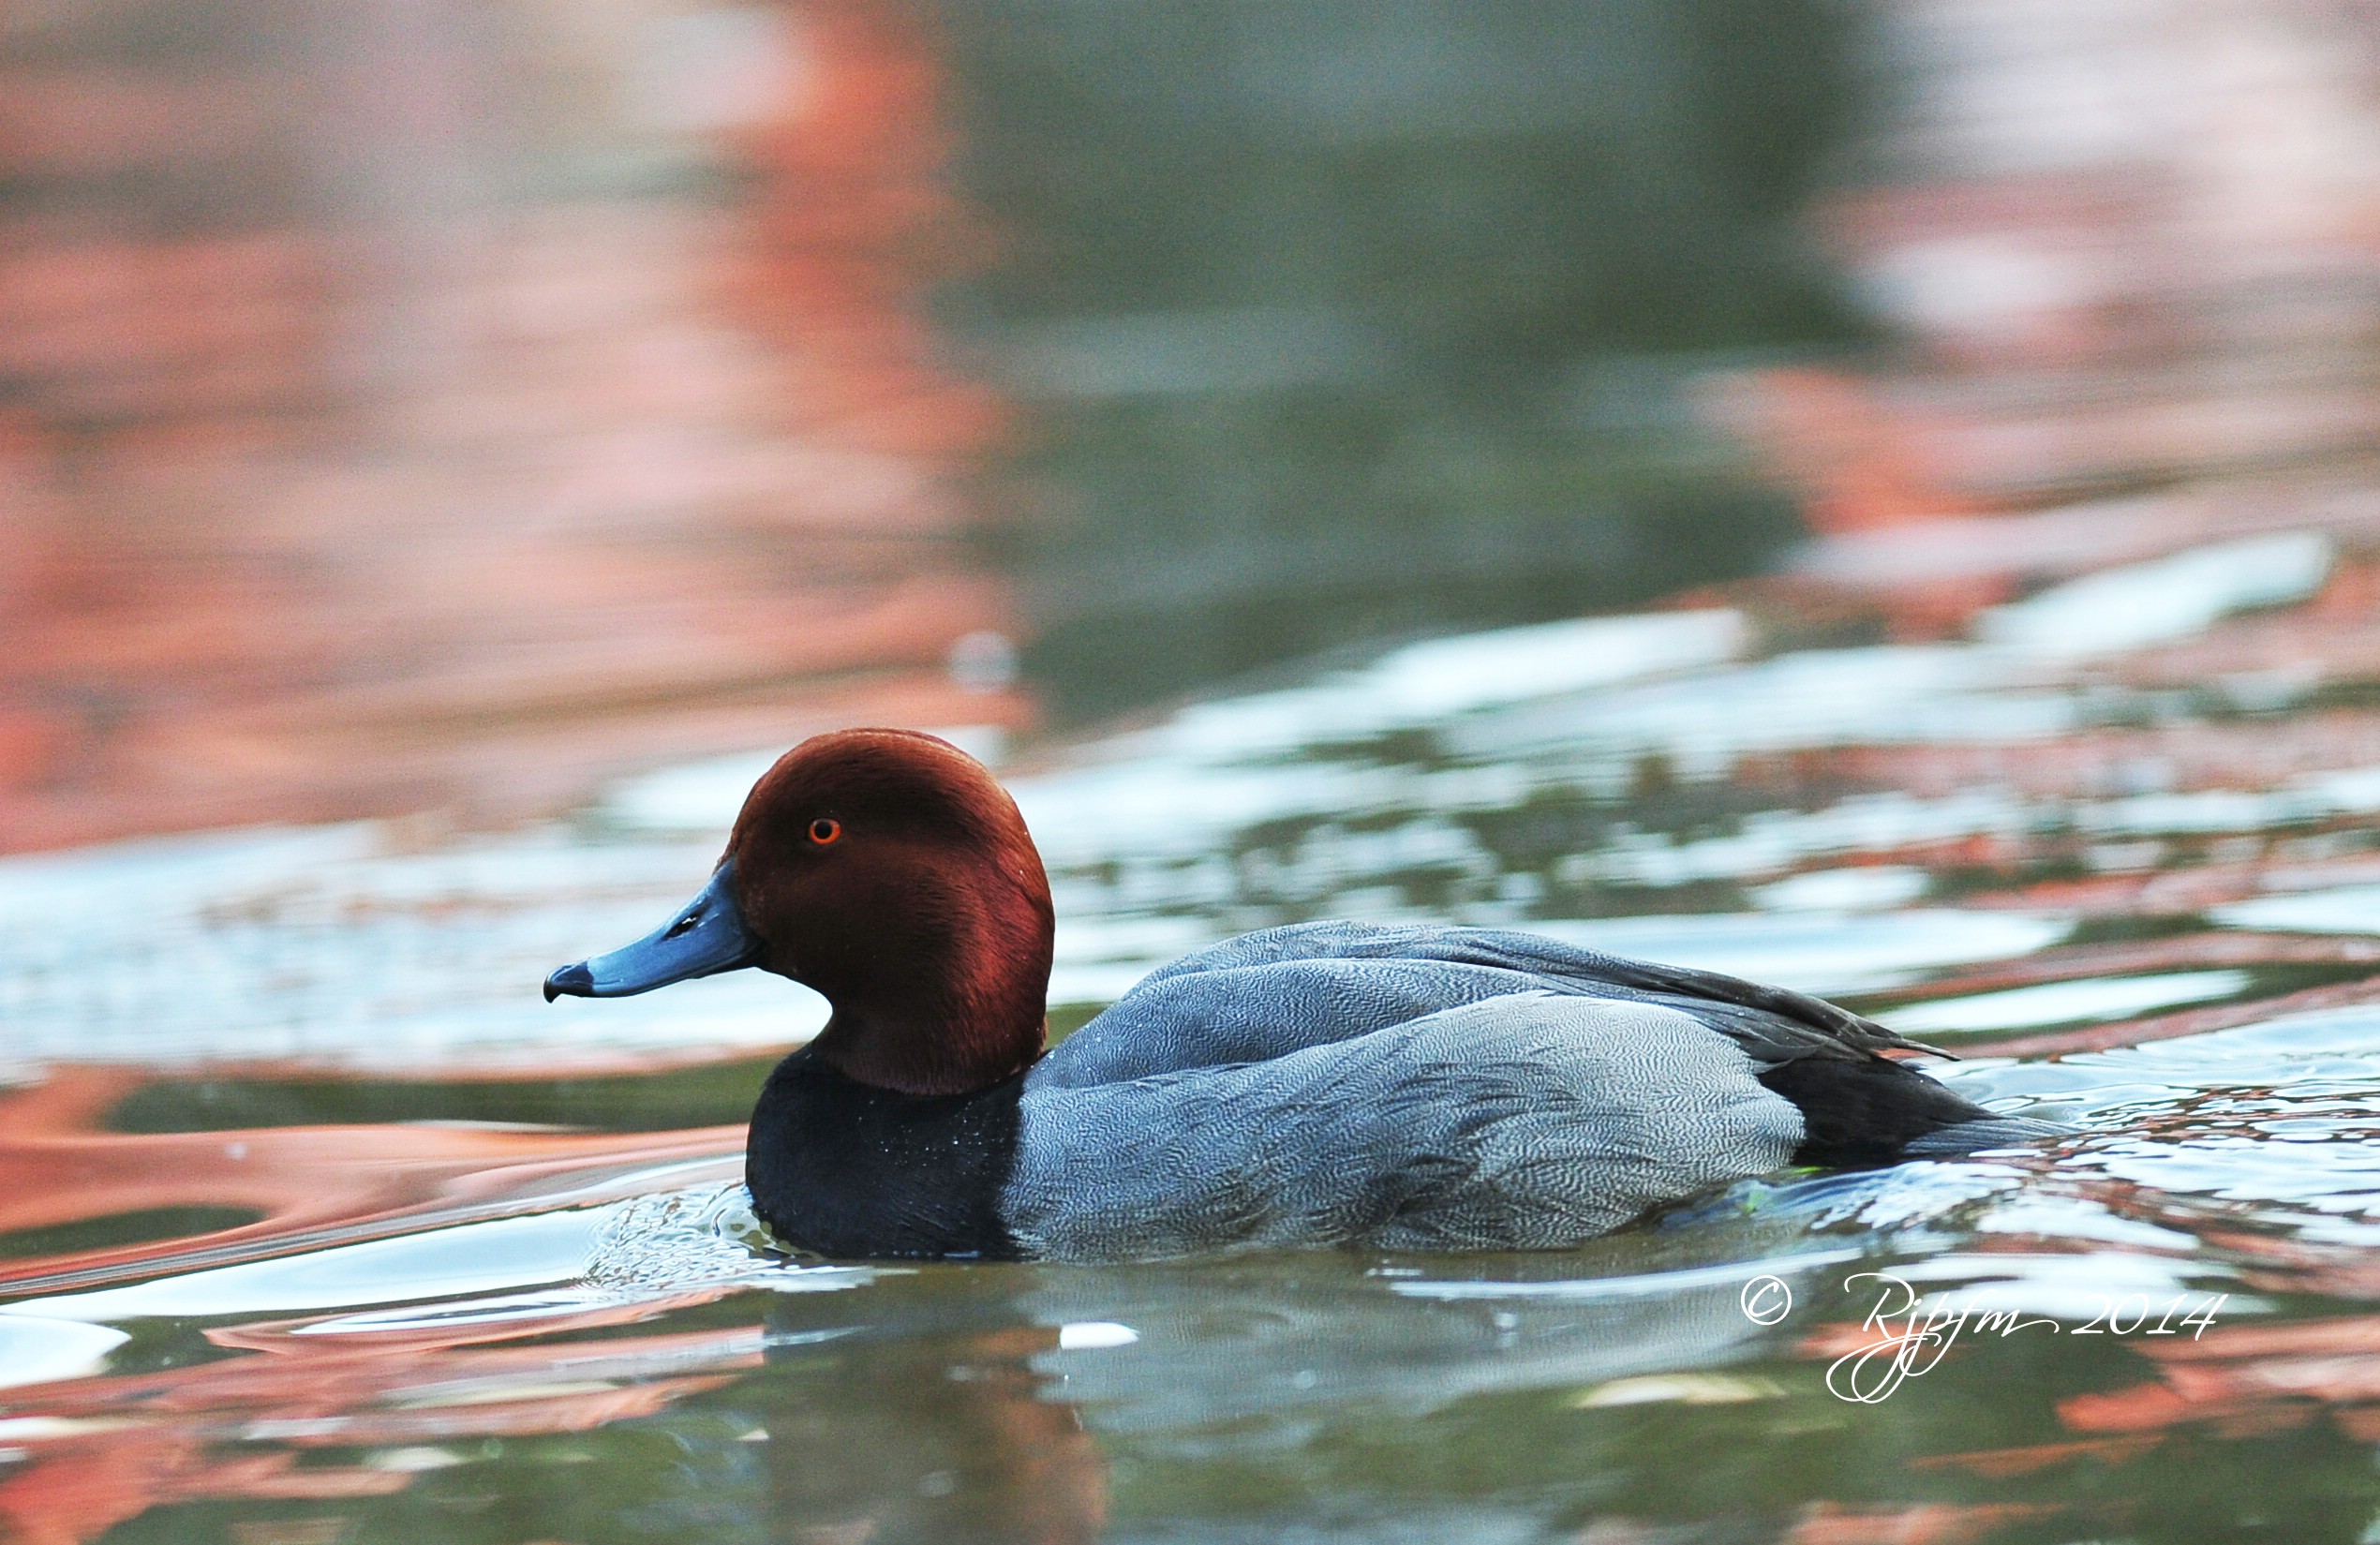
x: 1396, y: 1087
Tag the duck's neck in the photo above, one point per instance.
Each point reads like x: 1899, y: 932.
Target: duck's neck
x: 949, y: 1027
x: 922, y: 1054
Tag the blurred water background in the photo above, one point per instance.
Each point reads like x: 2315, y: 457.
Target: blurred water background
x: 1876, y: 496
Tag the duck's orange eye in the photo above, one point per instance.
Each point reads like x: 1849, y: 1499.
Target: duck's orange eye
x: 823, y: 830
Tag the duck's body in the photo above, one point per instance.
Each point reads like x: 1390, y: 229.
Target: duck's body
x: 1328, y: 1083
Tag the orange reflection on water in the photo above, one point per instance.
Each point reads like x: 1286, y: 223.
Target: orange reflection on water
x: 314, y: 1184
x: 103, y: 1450
x: 346, y: 1405
x: 421, y: 1397
x: 418, y: 476
x: 2245, y: 1379
x: 1927, y: 1524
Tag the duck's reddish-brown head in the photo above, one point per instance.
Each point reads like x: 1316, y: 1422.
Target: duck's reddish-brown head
x: 890, y: 872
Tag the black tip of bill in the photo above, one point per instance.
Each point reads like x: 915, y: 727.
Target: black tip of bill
x: 576, y: 980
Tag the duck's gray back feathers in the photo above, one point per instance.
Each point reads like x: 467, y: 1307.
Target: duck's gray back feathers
x: 1525, y: 1120
x: 1286, y: 988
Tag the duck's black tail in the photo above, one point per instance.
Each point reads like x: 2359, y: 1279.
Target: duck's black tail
x: 1862, y: 1112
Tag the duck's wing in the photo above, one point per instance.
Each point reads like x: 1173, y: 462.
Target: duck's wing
x: 1529, y: 1121
x: 1273, y: 993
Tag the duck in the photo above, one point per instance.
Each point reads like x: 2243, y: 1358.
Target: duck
x: 1367, y: 1085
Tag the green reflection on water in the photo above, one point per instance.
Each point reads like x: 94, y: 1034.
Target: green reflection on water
x: 660, y: 1100
x: 1335, y: 322
x: 119, y: 1228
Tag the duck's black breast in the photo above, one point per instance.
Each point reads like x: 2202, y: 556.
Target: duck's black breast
x: 847, y: 1169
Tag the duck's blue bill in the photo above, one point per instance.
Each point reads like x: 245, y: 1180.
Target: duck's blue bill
x: 706, y: 937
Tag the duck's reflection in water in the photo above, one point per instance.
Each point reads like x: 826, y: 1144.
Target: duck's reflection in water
x: 1519, y: 1398
x: 1226, y: 1346
x: 950, y: 1402
x: 964, y: 1405
x: 939, y: 1435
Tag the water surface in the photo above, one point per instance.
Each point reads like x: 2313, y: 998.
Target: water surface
x: 324, y: 1227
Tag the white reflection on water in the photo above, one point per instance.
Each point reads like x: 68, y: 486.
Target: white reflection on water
x: 351, y: 944
x: 481, y: 1257
x: 2163, y: 599
x: 1821, y: 954
x: 365, y: 945
x: 1733, y: 1273
x: 2066, y: 1002
x: 2344, y: 909
x: 1414, y: 787
x: 2071, y: 1286
x: 2277, y: 1122
x: 35, y: 1349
